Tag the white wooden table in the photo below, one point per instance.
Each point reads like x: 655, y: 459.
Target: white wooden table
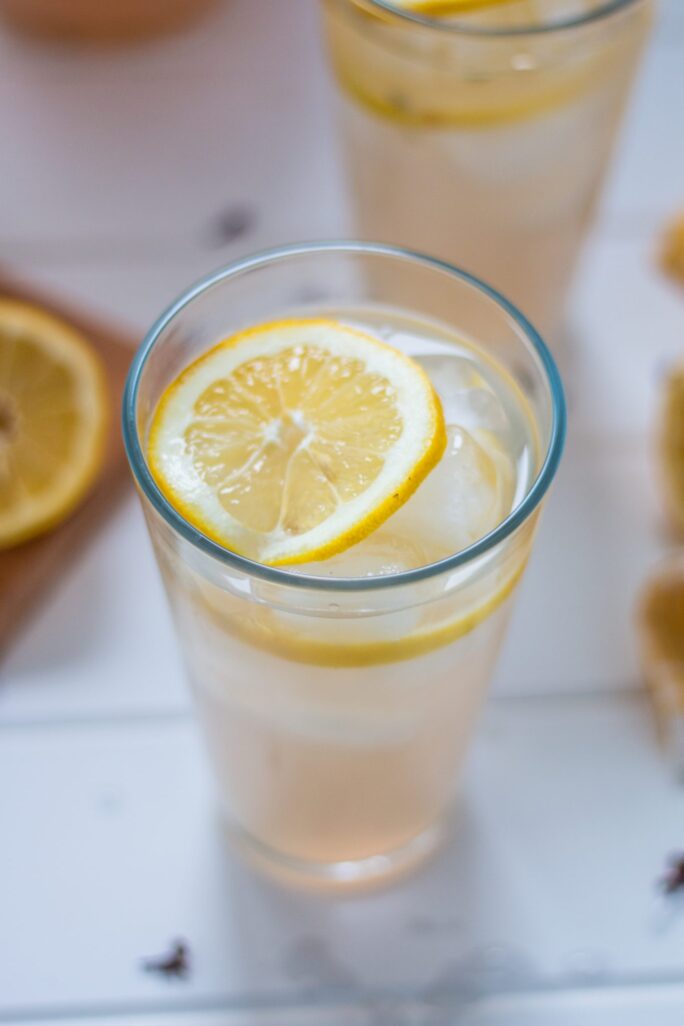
x: 121, y: 175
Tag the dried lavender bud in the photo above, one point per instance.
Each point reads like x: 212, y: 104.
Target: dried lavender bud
x: 673, y: 880
x: 231, y: 224
x: 176, y: 963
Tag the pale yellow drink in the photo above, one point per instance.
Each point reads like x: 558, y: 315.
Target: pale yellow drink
x: 484, y: 138
x: 338, y: 697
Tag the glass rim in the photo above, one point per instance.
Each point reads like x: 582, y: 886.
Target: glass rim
x: 609, y: 8
x: 288, y: 577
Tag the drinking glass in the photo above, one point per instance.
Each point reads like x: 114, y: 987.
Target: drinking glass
x: 485, y: 140
x: 337, y: 711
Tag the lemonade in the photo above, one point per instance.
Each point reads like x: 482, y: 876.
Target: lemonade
x: 483, y: 136
x: 337, y: 692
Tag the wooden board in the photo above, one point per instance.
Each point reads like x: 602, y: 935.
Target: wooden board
x: 28, y: 571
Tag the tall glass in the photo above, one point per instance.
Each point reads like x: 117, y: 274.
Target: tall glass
x: 485, y: 141
x: 337, y: 711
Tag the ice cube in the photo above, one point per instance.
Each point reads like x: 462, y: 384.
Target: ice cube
x: 449, y: 373
x: 336, y: 617
x: 381, y: 553
x: 468, y: 493
x: 467, y: 399
x: 481, y: 408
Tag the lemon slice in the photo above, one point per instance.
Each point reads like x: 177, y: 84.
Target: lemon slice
x: 293, y: 440
x: 445, y: 8
x: 53, y: 414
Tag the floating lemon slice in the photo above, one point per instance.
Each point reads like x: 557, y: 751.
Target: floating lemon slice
x: 445, y: 8
x: 293, y: 440
x: 316, y: 641
x: 53, y: 414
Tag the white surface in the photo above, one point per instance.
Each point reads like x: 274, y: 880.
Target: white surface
x: 115, y: 848
x: 623, y: 1007
x: 631, y: 1006
x: 113, y: 171
x: 174, y: 131
x: 325, y: 1014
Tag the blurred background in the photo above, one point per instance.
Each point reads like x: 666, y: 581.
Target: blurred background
x: 126, y: 172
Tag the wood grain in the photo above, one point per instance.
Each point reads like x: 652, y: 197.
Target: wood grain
x: 28, y: 571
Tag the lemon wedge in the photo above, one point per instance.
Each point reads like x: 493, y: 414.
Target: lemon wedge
x: 293, y: 440
x: 53, y: 415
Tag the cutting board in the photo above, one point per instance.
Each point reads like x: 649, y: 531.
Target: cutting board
x: 28, y: 571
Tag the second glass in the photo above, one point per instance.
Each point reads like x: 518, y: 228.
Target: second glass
x: 485, y: 140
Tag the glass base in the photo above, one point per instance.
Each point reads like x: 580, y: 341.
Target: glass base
x: 349, y: 874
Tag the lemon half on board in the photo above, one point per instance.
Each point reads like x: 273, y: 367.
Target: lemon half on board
x: 671, y: 447
x: 53, y: 417
x: 293, y: 440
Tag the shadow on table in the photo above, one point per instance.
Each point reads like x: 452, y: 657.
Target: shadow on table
x: 419, y: 940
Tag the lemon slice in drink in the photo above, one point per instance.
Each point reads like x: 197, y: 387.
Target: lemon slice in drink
x: 293, y: 440
x: 53, y: 414
x: 447, y: 8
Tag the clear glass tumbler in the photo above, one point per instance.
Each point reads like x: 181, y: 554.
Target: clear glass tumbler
x: 485, y: 141
x: 337, y: 711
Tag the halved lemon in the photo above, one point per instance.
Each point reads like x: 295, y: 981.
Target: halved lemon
x: 671, y: 446
x: 293, y: 440
x: 53, y: 415
x: 672, y: 255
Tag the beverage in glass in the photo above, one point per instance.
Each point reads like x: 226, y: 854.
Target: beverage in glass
x: 483, y: 138
x: 338, y: 695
